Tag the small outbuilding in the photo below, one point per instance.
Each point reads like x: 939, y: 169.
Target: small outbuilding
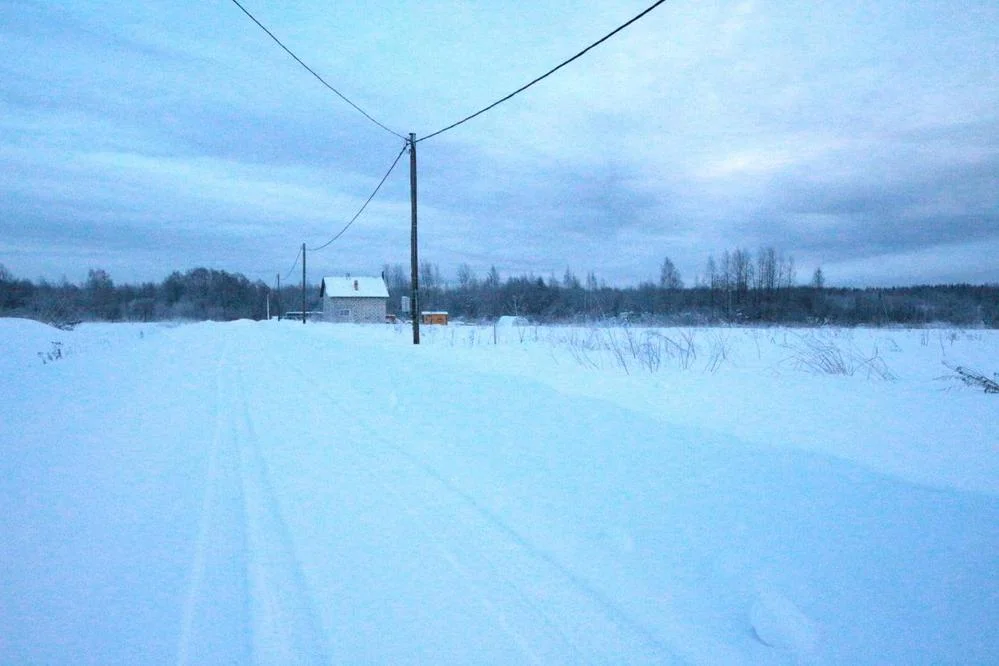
x: 431, y: 318
x: 359, y: 299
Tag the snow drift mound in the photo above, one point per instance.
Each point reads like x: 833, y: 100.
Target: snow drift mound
x: 27, y: 342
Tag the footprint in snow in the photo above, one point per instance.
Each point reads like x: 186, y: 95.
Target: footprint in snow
x: 779, y: 623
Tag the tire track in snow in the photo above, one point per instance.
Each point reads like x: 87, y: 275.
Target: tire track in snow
x: 596, y: 629
x: 598, y: 626
x: 247, y: 600
x: 285, y: 625
x: 491, y: 600
x: 363, y: 465
x: 216, y: 612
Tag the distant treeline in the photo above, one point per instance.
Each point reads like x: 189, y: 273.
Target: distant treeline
x: 737, y: 289
x: 717, y: 298
x: 198, y: 294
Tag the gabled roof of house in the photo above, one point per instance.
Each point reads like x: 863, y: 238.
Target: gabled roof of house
x: 353, y: 287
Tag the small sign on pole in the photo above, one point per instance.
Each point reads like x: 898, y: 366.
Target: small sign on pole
x: 405, y: 304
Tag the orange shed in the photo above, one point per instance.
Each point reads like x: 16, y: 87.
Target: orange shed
x: 439, y: 318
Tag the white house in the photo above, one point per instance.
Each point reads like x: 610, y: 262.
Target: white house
x: 354, y: 299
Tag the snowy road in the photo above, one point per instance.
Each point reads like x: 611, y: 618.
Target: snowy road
x: 253, y: 493
x: 431, y: 575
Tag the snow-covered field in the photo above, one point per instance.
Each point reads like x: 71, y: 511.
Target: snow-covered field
x: 275, y: 493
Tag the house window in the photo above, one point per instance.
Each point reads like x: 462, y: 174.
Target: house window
x: 345, y: 313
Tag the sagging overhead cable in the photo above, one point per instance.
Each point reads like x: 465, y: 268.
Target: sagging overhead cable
x: 292, y: 269
x: 313, y: 72
x: 546, y: 74
x: 365, y: 205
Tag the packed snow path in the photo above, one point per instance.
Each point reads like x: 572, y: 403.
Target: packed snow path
x: 271, y: 494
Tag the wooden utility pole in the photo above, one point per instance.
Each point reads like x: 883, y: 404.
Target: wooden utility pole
x: 303, y: 283
x: 278, y: 299
x: 414, y: 304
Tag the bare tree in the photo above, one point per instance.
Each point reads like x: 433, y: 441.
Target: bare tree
x: 767, y: 270
x: 742, y: 271
x: 466, y: 277
x: 789, y: 273
x: 711, y: 273
x: 726, y: 275
x: 669, y: 276
x: 431, y: 285
x: 818, y: 279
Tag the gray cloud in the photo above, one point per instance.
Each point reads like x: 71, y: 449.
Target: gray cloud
x: 838, y: 133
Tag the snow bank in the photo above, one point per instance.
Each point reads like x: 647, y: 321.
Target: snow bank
x: 753, y: 384
x: 25, y: 341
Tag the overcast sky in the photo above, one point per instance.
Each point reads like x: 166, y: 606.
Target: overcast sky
x: 147, y: 137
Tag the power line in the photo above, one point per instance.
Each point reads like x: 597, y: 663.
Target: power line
x: 313, y: 72
x: 292, y: 269
x: 546, y: 74
x: 361, y: 210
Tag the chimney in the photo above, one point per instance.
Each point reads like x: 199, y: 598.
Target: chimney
x: 355, y: 285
